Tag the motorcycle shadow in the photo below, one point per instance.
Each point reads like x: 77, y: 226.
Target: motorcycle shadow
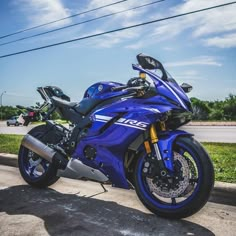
x: 69, y: 214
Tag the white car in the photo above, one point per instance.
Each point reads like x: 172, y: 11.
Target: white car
x: 13, y: 121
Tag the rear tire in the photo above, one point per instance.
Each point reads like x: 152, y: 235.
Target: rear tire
x: 190, y: 203
x: 26, y: 157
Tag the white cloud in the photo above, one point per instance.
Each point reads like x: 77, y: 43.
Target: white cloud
x: 207, y: 26
x: 43, y: 11
x: 109, y: 40
x: 117, y: 21
x: 225, y: 41
x: 135, y: 46
x: 202, y: 60
x: 204, y: 24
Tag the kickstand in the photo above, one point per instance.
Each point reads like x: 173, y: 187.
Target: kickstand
x: 105, y: 190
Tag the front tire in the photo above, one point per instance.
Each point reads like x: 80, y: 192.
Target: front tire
x: 191, y: 199
x: 36, y: 171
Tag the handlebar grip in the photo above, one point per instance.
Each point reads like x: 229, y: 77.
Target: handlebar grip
x: 119, y: 88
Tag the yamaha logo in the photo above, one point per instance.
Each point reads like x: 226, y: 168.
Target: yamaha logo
x: 100, y: 87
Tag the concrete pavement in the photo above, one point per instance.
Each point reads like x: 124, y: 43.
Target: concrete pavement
x: 73, y: 207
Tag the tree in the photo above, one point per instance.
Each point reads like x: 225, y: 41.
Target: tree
x: 200, y: 109
x: 8, y: 111
x: 230, y: 107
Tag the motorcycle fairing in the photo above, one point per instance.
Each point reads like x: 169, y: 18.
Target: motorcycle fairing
x: 114, y: 128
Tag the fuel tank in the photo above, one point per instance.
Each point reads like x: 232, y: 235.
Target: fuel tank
x: 101, y: 89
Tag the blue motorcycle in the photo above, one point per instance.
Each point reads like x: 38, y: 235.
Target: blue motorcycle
x: 126, y: 135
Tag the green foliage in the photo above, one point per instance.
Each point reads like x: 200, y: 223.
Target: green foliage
x: 217, y: 110
x: 230, y: 107
x: 223, y: 156
x: 7, y: 111
x: 200, y: 109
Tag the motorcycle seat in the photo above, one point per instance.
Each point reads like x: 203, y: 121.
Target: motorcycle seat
x: 83, y: 107
x: 62, y: 102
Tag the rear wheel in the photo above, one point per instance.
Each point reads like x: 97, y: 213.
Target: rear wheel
x: 185, y: 191
x: 35, y: 170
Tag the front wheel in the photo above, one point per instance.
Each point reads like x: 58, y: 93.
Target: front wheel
x: 183, y: 192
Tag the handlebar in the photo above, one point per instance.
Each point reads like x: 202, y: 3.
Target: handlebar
x: 128, y: 88
x: 119, y: 88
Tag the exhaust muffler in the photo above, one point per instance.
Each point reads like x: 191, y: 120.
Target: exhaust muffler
x: 44, y: 151
x: 74, y: 168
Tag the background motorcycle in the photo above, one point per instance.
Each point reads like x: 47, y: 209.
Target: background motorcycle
x: 125, y: 135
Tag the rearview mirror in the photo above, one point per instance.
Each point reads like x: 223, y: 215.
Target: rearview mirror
x: 186, y: 87
x: 151, y: 63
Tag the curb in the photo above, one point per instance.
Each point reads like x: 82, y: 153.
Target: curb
x: 8, y: 159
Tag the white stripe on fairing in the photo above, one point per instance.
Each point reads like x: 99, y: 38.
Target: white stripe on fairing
x: 135, y: 127
x: 121, y: 120
x: 117, y: 123
x: 104, y: 120
x: 101, y: 117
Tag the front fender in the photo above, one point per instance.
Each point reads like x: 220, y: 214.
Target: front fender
x: 165, y: 144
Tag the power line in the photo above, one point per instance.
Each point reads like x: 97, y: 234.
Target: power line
x: 83, y: 22
x: 71, y: 16
x: 119, y: 29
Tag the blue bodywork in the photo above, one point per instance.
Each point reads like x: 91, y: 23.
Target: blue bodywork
x: 117, y: 124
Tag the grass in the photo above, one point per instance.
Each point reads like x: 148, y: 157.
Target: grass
x: 223, y: 155
x: 10, y: 143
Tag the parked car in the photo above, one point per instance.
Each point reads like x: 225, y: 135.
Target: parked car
x: 13, y: 121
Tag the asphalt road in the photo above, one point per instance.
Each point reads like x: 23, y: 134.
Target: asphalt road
x: 223, y: 134
x: 72, y: 207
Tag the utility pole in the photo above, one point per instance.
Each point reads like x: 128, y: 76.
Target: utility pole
x: 1, y: 101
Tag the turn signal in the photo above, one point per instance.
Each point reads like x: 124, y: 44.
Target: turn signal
x: 147, y: 147
x: 142, y: 75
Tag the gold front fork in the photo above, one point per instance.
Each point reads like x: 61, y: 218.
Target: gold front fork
x: 154, y: 140
x: 153, y: 134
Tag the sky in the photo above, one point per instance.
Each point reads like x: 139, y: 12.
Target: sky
x: 199, y: 49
